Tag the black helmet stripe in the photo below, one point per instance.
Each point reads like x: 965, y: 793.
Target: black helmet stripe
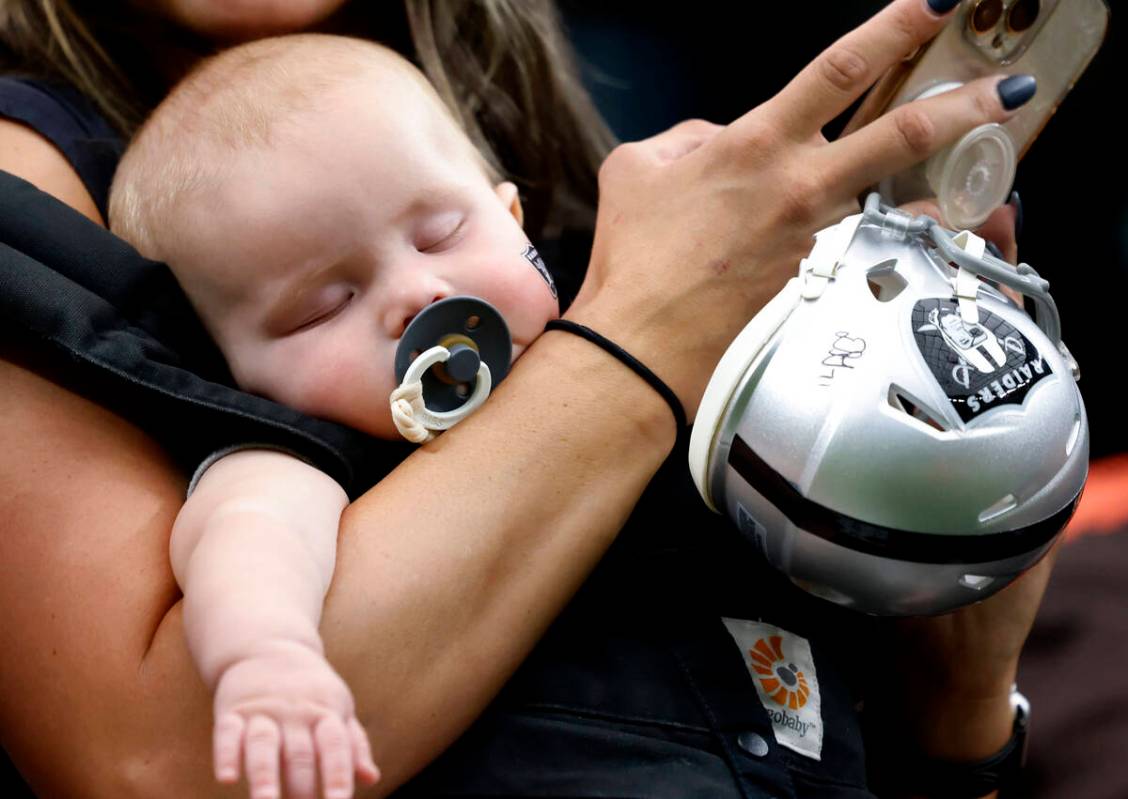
x: 890, y: 542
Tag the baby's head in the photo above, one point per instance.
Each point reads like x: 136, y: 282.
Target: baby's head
x: 312, y: 194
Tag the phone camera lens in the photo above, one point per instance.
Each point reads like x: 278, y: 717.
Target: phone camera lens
x: 1023, y: 14
x: 986, y: 15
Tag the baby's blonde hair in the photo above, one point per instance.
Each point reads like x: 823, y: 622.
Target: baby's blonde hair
x: 239, y: 99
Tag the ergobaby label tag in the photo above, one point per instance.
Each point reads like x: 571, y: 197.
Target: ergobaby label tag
x: 783, y: 671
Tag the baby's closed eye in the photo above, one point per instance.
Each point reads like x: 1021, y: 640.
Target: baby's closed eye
x: 440, y: 232
x: 321, y: 306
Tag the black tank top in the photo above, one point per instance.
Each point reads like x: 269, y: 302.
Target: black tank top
x: 70, y: 122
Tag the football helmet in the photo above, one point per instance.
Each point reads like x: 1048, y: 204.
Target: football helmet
x: 891, y: 430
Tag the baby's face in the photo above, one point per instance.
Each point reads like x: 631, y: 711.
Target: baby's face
x: 316, y: 252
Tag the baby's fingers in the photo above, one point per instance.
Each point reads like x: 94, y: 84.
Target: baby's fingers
x: 362, y: 754
x: 227, y: 746
x: 300, y: 762
x: 334, y: 751
x: 263, y: 740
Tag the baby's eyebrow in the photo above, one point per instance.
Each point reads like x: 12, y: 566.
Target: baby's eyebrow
x: 429, y: 199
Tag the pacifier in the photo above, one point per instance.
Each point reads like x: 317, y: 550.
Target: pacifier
x: 447, y: 361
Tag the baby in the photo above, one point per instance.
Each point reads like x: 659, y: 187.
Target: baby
x: 312, y: 195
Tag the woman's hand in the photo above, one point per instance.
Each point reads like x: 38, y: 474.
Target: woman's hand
x: 974, y: 651
x: 701, y: 225
x: 951, y: 675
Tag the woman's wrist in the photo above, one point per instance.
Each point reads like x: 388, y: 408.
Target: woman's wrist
x: 684, y: 361
x: 952, y: 708
x: 632, y: 363
x: 930, y: 732
x: 963, y: 728
x: 643, y: 406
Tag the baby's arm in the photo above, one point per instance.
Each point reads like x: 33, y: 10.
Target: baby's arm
x: 253, y: 550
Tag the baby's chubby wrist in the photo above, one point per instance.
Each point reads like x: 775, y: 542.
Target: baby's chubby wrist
x: 243, y: 637
x: 284, y: 646
x: 275, y: 648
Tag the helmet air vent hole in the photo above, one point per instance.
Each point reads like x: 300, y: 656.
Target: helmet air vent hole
x: 1004, y: 505
x: 901, y: 401
x: 976, y: 581
x: 884, y: 282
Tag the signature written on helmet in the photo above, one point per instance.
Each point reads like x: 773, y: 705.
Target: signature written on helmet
x: 842, y: 354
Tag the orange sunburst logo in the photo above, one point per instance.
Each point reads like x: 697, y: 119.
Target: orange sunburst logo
x: 781, y: 680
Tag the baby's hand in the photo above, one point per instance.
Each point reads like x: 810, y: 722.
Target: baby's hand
x: 289, y: 705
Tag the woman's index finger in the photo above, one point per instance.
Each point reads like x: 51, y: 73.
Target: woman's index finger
x: 844, y: 71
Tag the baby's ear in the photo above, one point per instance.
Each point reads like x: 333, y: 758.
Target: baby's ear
x: 507, y: 193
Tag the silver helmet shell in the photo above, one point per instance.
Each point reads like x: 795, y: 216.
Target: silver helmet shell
x: 886, y: 445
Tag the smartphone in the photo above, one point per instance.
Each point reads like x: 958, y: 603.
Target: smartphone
x: 1053, y: 40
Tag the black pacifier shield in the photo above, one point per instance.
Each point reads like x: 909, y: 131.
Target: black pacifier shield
x: 463, y: 317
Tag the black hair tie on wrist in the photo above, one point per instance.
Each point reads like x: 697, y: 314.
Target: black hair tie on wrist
x: 636, y: 365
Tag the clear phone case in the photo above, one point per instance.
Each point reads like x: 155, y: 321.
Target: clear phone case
x: 1054, y: 40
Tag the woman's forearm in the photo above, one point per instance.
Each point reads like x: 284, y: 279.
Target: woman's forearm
x: 452, y: 567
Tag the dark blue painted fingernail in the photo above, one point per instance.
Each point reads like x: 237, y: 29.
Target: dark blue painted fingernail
x: 1016, y: 201
x: 993, y: 248
x: 1016, y: 90
x: 942, y: 7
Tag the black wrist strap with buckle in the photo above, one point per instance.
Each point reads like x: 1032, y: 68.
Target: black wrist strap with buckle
x: 905, y: 773
x: 999, y: 772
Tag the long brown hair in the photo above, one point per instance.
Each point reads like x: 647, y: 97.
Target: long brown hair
x: 502, y: 66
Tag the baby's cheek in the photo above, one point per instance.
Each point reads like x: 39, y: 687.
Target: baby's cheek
x: 317, y: 387
x: 334, y: 385
x: 354, y: 393
x: 527, y: 299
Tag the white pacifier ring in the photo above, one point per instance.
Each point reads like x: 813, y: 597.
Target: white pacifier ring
x: 412, y: 418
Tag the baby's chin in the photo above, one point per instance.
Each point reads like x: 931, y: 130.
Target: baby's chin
x: 383, y: 427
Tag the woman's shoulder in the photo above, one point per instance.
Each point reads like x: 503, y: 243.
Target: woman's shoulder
x: 69, y: 121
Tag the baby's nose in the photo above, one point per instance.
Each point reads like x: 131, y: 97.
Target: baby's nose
x: 407, y: 321
x: 401, y: 314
